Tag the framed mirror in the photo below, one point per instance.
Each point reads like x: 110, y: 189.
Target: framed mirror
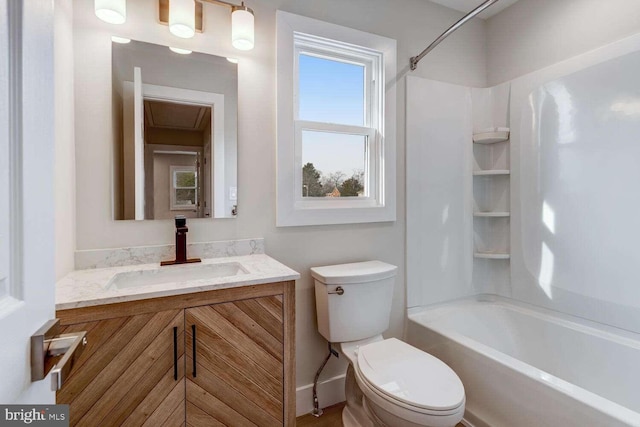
x: 175, y: 133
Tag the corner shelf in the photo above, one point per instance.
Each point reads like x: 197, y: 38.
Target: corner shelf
x: 492, y: 172
x: 491, y: 136
x: 492, y: 214
x: 491, y: 255
x: 496, y: 230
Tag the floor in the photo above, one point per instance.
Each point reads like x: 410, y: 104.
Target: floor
x: 332, y: 417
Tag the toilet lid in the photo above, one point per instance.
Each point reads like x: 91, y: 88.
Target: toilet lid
x: 409, y: 375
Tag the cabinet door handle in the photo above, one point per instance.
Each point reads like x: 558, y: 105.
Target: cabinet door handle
x: 175, y: 353
x: 193, y: 332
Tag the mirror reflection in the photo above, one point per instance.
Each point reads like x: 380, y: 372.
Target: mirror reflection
x: 175, y: 128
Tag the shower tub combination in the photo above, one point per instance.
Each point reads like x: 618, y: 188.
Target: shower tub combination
x: 529, y: 367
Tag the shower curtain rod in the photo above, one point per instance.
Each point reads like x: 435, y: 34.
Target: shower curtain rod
x: 414, y: 60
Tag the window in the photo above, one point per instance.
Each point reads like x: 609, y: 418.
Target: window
x: 184, y: 188
x: 336, y: 124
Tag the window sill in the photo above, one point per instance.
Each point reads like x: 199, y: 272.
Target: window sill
x: 332, y: 215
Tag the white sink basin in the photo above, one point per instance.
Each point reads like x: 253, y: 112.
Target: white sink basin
x: 174, y: 274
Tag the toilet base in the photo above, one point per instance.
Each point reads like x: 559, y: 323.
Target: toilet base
x: 355, y: 414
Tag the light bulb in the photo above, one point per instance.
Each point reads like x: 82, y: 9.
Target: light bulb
x: 111, y: 11
x: 242, y: 31
x: 182, y: 18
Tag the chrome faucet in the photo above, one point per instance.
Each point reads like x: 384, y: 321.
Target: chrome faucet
x: 181, y: 244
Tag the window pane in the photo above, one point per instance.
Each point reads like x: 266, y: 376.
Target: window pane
x: 185, y: 197
x: 185, y: 179
x: 331, y: 91
x: 333, y: 164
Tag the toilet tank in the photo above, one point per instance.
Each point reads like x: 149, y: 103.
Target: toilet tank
x: 364, y: 307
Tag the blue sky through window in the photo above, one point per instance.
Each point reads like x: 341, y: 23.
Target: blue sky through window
x: 332, y: 92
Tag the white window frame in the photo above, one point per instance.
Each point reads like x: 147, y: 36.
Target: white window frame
x: 173, y: 188
x: 300, y: 35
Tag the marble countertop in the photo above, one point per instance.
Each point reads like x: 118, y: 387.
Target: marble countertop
x: 86, y: 288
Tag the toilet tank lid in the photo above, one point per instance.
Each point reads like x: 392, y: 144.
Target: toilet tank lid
x: 357, y: 272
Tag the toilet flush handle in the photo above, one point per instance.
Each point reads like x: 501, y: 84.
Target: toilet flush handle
x: 338, y: 291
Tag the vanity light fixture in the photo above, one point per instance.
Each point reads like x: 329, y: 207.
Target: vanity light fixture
x: 185, y: 19
x: 111, y: 11
x: 121, y: 40
x: 183, y: 16
x: 180, y: 51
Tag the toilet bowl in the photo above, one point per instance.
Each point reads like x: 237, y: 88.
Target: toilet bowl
x: 400, y: 386
x: 389, y: 383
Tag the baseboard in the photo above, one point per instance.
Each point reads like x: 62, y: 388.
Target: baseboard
x: 330, y: 392
x: 471, y: 420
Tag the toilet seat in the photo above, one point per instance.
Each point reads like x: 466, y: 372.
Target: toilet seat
x: 402, y: 412
x: 409, y: 378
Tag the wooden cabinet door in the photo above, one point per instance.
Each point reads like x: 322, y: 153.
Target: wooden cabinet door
x: 130, y: 374
x: 234, y: 354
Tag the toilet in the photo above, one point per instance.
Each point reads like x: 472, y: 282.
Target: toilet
x: 389, y: 382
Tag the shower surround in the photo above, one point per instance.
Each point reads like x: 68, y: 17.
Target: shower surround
x: 572, y: 203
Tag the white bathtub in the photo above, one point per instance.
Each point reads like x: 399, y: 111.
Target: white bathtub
x: 523, y: 366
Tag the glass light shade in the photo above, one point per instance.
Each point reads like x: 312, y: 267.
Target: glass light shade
x: 180, y: 50
x: 111, y: 11
x: 121, y: 40
x: 182, y: 18
x: 242, y: 32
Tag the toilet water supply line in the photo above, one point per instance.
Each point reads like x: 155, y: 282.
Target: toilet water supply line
x: 316, y: 407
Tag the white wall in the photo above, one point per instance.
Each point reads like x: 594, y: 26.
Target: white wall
x: 414, y: 23
x: 527, y: 36
x: 532, y: 34
x: 535, y: 42
x: 574, y: 230
x: 64, y: 168
x: 439, y: 211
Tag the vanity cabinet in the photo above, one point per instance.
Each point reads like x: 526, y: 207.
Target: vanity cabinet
x: 223, y: 357
x: 235, y: 363
x: 126, y: 369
